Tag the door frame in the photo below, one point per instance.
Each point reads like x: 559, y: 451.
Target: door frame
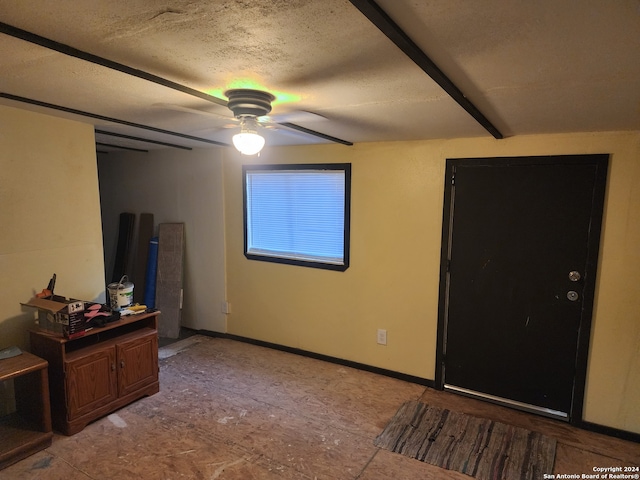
x: 601, y: 161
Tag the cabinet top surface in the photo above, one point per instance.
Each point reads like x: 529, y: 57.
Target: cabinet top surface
x: 20, y: 365
x: 50, y: 336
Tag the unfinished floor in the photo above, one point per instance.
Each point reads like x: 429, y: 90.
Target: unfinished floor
x: 231, y: 410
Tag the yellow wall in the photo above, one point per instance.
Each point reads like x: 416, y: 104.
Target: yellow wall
x: 49, y: 215
x: 392, y: 283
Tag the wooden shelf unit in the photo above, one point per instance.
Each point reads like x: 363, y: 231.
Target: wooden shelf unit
x: 107, y: 368
x: 28, y: 430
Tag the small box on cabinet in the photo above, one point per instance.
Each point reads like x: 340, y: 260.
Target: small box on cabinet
x: 68, y: 317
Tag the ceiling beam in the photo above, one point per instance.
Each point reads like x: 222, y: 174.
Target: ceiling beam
x: 60, y: 108
x: 121, y: 147
x: 140, y: 139
x: 89, y: 57
x: 380, y: 19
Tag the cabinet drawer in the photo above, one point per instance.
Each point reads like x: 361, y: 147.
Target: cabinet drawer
x: 91, y: 382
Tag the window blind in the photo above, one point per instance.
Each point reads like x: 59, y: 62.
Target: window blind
x: 296, y: 214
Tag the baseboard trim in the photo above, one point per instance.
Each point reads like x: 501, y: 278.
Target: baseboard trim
x: 593, y: 427
x: 318, y: 356
x: 609, y: 431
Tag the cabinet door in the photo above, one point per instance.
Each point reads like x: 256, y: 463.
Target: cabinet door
x: 91, y: 382
x: 137, y: 362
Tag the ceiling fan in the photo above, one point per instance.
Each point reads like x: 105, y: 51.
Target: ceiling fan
x: 247, y: 105
x: 251, y: 110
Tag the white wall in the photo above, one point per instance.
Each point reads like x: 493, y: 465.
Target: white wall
x: 49, y: 213
x: 176, y: 186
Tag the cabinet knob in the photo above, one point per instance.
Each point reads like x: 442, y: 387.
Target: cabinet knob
x: 122, y: 364
x: 113, y: 367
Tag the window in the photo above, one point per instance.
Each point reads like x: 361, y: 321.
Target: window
x: 298, y: 214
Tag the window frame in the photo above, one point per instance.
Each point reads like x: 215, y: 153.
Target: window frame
x: 346, y: 168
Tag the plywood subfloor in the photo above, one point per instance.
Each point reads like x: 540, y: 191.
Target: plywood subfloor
x: 234, y: 411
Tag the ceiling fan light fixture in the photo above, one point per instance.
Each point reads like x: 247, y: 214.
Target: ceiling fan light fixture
x: 248, y: 142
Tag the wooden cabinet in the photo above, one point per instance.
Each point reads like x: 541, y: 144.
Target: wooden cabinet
x: 94, y: 375
x: 99, y: 375
x: 28, y: 429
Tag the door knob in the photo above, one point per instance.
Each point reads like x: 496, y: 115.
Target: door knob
x: 574, y: 276
x: 572, y: 295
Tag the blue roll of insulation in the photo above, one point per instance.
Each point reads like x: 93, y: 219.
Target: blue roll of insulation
x: 150, y: 279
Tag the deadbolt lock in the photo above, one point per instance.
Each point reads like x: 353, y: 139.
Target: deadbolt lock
x: 572, y: 295
x: 574, y: 276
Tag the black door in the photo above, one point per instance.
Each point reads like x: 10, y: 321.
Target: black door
x: 520, y: 248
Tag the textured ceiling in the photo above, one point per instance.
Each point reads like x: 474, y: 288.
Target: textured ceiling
x: 529, y: 67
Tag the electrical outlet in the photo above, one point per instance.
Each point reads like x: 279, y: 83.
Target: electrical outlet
x: 226, y: 307
x: 382, y: 336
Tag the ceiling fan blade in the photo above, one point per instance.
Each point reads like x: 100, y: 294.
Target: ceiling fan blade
x: 296, y: 116
x: 197, y: 111
x: 214, y: 129
x: 282, y: 127
x: 248, y: 103
x: 316, y: 134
